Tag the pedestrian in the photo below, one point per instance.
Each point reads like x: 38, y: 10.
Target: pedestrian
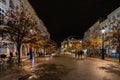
x: 80, y: 53
x: 76, y: 53
x: 10, y: 58
x: 16, y: 54
x: 11, y: 54
x: 28, y: 54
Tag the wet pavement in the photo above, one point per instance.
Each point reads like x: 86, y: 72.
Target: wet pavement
x: 61, y: 67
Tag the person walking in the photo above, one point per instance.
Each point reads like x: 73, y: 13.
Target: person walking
x: 80, y: 54
x: 10, y: 57
x: 76, y: 53
x: 11, y: 54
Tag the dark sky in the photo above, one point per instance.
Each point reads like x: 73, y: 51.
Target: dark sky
x: 65, y: 18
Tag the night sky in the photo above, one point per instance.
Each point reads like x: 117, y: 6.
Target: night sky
x: 65, y: 18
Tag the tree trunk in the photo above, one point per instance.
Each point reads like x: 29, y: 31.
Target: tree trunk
x: 30, y: 53
x: 119, y: 57
x: 18, y: 50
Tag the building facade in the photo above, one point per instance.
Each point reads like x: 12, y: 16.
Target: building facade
x: 110, y: 26
x: 71, y: 45
x: 6, y: 5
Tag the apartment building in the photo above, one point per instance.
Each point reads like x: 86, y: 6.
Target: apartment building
x: 110, y: 25
x: 71, y: 45
x: 17, y: 5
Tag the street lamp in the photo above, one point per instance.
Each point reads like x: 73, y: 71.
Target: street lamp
x: 103, y: 51
x: 81, y: 41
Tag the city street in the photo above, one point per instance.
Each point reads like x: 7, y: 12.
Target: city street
x: 62, y: 67
x: 59, y: 40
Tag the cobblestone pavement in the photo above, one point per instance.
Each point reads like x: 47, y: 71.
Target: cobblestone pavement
x: 62, y: 67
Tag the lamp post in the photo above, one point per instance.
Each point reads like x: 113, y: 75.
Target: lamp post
x: 103, y: 51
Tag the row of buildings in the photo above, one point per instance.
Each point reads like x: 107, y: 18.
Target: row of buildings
x: 110, y: 25
x: 104, y: 39
x: 71, y: 44
x: 6, y: 5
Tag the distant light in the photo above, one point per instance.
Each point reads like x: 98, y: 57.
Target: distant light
x: 80, y: 41
x: 31, y: 31
x: 103, y: 30
x: 113, y: 51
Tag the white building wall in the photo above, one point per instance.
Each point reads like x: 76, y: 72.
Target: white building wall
x: 115, y: 15
x: 24, y: 3
x: 3, y: 7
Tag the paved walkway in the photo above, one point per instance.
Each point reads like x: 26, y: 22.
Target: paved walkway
x: 107, y: 58
x: 62, y: 67
x: 88, y: 68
